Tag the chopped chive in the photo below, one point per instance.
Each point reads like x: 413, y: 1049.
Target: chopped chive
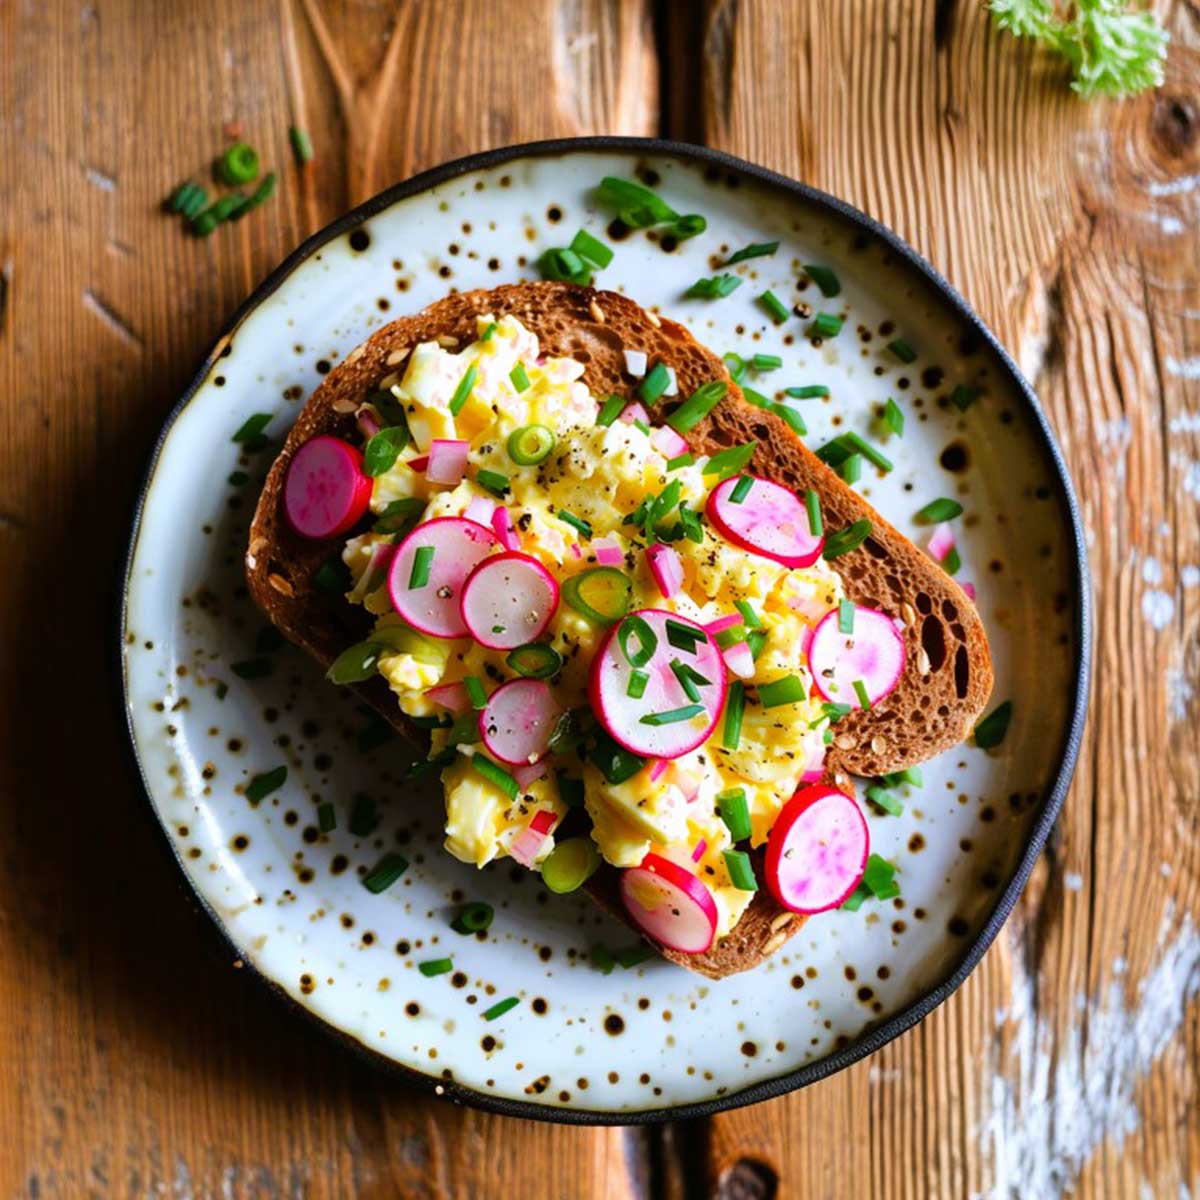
x: 435, y: 966
x: 253, y: 428
x: 421, y: 568
x: 893, y: 417
x: 741, y: 873
x: 880, y: 878
x: 754, y: 250
x: 826, y: 325
x: 952, y: 563
x: 637, y: 685
x: 577, y: 523
x: 654, y: 383
x: 992, y: 730
x: 941, y: 509
x: 261, y: 786
x: 494, y: 481
x: 463, y: 391
x: 333, y: 576
x: 766, y: 362
x: 730, y: 637
x: 717, y: 287
x: 689, y: 226
x: 854, y: 901
x: 500, y: 1008
x: 238, y: 165
x: 846, y: 616
x: 683, y: 637
x: 610, y: 410
x: 886, y: 800
x: 565, y: 266
x: 735, y: 707
x: 591, y: 248
x: 698, y: 405
x: 689, y: 679
x: 642, y: 426
x: 519, y: 377
x: 741, y: 489
x: 825, y: 279
x: 835, y: 712
x: 252, y: 668
x: 775, y: 307
x: 364, y: 815
x: 910, y: 775
x: 903, y: 350
x: 735, y: 812
x: 489, y: 332
x: 301, y: 144
x: 735, y: 364
x: 730, y: 460
x: 848, y: 538
x: 810, y: 391
x: 474, y: 917
x: 863, y: 447
x: 755, y: 398
x: 474, y: 686
x: 647, y: 640
x: 385, y: 872
x: 752, y: 619
x: 812, y: 502
x: 851, y: 468
x: 637, y: 206
x: 788, y: 690
x: 756, y: 639
x: 791, y: 417
x: 963, y: 396
x: 630, y: 956
x: 326, y: 817
x: 495, y: 775
x: 860, y: 690
x: 684, y: 460
x: 601, y: 959
x: 261, y: 193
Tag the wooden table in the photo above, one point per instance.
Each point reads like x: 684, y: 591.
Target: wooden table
x: 132, y: 1061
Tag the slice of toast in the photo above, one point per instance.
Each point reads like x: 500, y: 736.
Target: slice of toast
x: 947, y: 676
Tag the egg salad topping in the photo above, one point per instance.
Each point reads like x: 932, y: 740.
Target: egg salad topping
x: 613, y: 516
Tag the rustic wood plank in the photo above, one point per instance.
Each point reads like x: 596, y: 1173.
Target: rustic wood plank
x: 133, y: 1059
x: 1075, y: 230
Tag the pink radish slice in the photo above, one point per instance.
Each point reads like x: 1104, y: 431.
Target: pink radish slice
x: 657, y: 767
x: 418, y: 464
x: 367, y: 424
x: 458, y: 547
x: 969, y: 591
x: 518, y: 720
x: 451, y: 696
x: 699, y: 852
x: 481, y: 510
x: 528, y: 843
x: 669, y: 904
x: 326, y: 491
x: 621, y: 714
x: 817, y: 851
x: 447, y: 460
x: 739, y: 660
x: 608, y: 552
x: 814, y: 769
x: 941, y: 541
x: 688, y: 782
x: 770, y: 521
x: 508, y: 600
x: 667, y: 442
x: 723, y: 623
x: 634, y: 412
x: 873, y: 653
x: 666, y: 569
x: 506, y: 531
x: 526, y: 774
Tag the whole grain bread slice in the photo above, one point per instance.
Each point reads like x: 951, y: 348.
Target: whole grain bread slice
x: 947, y: 676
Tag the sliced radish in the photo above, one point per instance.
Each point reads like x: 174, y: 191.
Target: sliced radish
x: 508, y: 600
x: 447, y: 460
x: 688, y: 782
x: 667, y: 442
x: 669, y: 904
x: 526, y: 774
x: 969, y: 591
x: 505, y: 530
x: 941, y: 541
x: 872, y: 653
x: 367, y: 422
x: 666, y: 569
x: 657, y: 768
x: 700, y: 850
x: 817, y: 851
x: 634, y: 411
x: 518, y: 719
x: 528, y: 843
x: 608, y: 552
x: 451, y: 696
x: 739, y: 660
x: 326, y: 491
x: 433, y: 605
x: 625, y: 717
x: 481, y: 510
x: 814, y: 769
x: 723, y: 623
x: 770, y: 521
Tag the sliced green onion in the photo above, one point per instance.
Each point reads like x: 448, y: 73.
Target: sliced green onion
x: 755, y: 398
x: 684, y: 460
x: 880, y: 878
x: 735, y: 707
x: 600, y: 593
x: 775, y: 307
x: 535, y: 660
x: 690, y: 680
x: 848, y: 538
x: 637, y: 685
x: 382, y: 451
x: 730, y: 460
x: 766, y: 362
x: 688, y: 226
x: 833, y: 453
x: 735, y: 812
x: 698, y: 405
x: 826, y: 325
x: 435, y: 966
x: 741, y: 489
x: 909, y: 775
x: 716, y: 287
x: 903, y: 350
x: 630, y: 956
x: 421, y: 568
x: 616, y: 763
x: 963, y: 396
x: 591, y: 248
x: 475, y: 917
x: 641, y: 425
x: 571, y: 863
x: 812, y: 502
x: 788, y: 690
x: 824, y: 278
x: 495, y: 775
x: 238, y: 165
x: 364, y: 815
x: 655, y: 382
x: 385, y: 872
x: 992, y: 730
x: 730, y: 637
x: 601, y: 959
x: 489, y: 332
x: 756, y: 639
x: 886, y: 800
x: 301, y: 144
x: 854, y: 901
x: 893, y: 417
x: 252, y: 429
x: 495, y: 481
x: 846, y: 616
x: 752, y: 619
x: 673, y: 716
x: 261, y: 786
x: 463, y: 391
x: 860, y: 690
x: 789, y: 415
x: 741, y: 873
x: 941, y: 509
x: 851, y: 468
x: 203, y: 224
x: 834, y: 712
x: 565, y: 266
x: 326, y: 817
x: 500, y: 1008
x: 735, y: 364
x: 647, y: 640
x: 863, y: 447
x: 637, y: 206
x: 683, y: 637
x: 530, y: 445
x: 474, y: 686
x: 576, y: 523
x: 810, y: 391
x: 354, y: 664
x: 260, y: 194
x: 519, y: 377
x: 610, y: 410
x: 754, y: 250
x: 952, y: 563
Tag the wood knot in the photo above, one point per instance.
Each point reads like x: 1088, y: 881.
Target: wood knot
x: 1174, y: 124
x: 748, y: 1179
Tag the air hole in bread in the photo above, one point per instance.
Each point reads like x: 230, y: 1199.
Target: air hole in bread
x: 874, y: 549
x: 951, y: 613
x: 943, y: 710
x: 894, y: 584
x: 960, y: 634
x: 856, y: 573
x: 933, y: 639
x: 962, y: 672
x: 761, y: 432
x: 924, y: 604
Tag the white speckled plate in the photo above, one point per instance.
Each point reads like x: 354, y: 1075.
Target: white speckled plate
x: 650, y: 1041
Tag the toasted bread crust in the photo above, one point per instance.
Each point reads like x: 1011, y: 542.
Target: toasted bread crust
x: 947, y: 676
